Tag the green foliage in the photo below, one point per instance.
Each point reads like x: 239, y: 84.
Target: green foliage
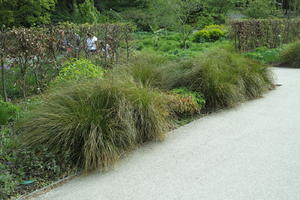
x: 290, y: 56
x: 224, y: 81
x: 260, y: 9
x: 87, y: 13
x: 81, y: 69
x: 26, y: 12
x: 22, y: 164
x: 96, y: 122
x: 8, y: 112
x: 265, y: 55
x: 210, y: 33
x: 169, y: 45
x: 140, y: 17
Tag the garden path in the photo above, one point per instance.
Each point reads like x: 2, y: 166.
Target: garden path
x: 249, y: 152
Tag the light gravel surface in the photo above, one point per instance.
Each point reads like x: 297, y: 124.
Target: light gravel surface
x: 251, y: 152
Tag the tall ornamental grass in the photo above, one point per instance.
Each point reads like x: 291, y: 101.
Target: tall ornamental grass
x: 223, y: 77
x: 95, y: 123
x: 290, y: 56
x: 144, y: 68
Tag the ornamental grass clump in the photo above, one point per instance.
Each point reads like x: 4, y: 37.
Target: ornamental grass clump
x: 223, y: 77
x: 145, y: 68
x: 290, y: 56
x: 95, y: 123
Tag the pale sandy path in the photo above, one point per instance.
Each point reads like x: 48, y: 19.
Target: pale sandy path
x: 251, y: 152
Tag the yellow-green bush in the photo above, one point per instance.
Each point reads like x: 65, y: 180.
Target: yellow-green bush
x: 78, y: 69
x: 210, y: 33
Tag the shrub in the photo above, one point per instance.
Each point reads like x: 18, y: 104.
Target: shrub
x: 197, y: 97
x: 96, y: 122
x: 186, y: 103
x: 74, y: 70
x: 210, y: 33
x: 225, y: 80
x: 290, y: 55
x: 8, y: 112
x: 183, y: 106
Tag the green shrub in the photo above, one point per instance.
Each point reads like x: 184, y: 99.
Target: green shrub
x: 210, y: 33
x: 96, y: 122
x: 74, y: 70
x: 8, y: 112
x: 290, y: 55
x: 223, y: 77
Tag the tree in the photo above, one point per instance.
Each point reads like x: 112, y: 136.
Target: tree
x: 87, y: 12
x: 26, y: 12
x: 175, y: 15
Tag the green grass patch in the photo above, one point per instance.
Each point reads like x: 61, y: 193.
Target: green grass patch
x: 265, y: 55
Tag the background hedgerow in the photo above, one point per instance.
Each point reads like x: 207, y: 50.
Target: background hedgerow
x: 290, y: 56
x: 95, y: 123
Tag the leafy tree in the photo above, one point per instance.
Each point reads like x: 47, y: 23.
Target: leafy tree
x: 26, y: 12
x: 175, y: 15
x: 87, y: 12
x: 261, y: 8
x: 119, y: 5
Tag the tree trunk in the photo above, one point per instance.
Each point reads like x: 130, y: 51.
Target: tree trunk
x: 3, y: 81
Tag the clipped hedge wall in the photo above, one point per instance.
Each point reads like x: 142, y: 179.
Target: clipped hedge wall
x: 271, y: 33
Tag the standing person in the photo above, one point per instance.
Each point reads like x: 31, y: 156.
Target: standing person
x: 105, y: 47
x: 65, y: 44
x: 91, y: 43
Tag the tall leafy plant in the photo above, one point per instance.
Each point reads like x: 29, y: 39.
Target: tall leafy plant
x: 87, y: 13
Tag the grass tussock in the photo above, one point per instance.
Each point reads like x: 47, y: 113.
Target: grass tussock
x: 290, y: 56
x: 224, y: 78
x: 95, y: 123
x: 145, y: 68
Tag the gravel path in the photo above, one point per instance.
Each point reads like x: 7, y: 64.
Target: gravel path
x: 251, y: 152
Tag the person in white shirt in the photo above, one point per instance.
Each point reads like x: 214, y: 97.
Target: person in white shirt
x: 91, y: 43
